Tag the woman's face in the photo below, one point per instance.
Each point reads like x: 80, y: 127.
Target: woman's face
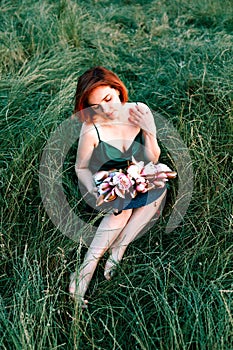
x: 105, y: 100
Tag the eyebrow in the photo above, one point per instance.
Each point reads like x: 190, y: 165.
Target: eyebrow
x: 97, y: 104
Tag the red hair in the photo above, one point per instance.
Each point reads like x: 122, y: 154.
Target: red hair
x: 91, y: 79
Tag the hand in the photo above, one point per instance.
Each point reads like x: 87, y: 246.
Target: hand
x: 94, y: 192
x: 141, y: 116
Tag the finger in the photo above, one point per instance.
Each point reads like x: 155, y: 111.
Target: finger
x: 139, y: 115
x: 135, y: 110
x: 142, y: 110
x: 95, y: 192
x: 135, y: 115
x: 134, y: 121
x: 132, y: 111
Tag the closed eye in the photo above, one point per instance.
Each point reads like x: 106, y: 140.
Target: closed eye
x: 108, y: 98
x: 96, y: 107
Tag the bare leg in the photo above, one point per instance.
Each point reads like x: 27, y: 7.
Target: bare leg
x: 138, y: 220
x: 109, y: 228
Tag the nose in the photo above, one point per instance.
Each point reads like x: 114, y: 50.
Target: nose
x: 105, y: 107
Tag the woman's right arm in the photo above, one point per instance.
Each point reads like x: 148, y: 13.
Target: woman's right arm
x: 87, y: 143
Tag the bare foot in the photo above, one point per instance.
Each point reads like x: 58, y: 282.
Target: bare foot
x: 72, y: 290
x: 110, y: 268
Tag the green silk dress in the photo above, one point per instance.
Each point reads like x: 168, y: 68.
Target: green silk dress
x: 107, y: 157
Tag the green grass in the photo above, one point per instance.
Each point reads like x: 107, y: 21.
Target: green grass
x: 172, y: 291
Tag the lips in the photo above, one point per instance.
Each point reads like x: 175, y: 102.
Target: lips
x: 109, y: 115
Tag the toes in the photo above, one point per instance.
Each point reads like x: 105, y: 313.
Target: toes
x: 84, y: 304
x: 107, y: 275
x: 110, y: 269
x: 72, y: 285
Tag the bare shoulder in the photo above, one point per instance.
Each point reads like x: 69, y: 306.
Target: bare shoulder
x: 88, y: 133
x: 143, y: 106
x: 140, y: 104
x: 87, y: 128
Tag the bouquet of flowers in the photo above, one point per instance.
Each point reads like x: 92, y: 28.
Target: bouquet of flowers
x: 136, y: 178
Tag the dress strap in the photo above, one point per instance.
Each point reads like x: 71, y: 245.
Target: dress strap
x: 97, y: 132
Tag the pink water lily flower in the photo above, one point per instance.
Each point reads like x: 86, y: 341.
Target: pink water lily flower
x: 160, y: 167
x: 149, y: 169
x: 134, y: 171
x: 122, y: 181
x: 136, y: 178
x: 152, y: 169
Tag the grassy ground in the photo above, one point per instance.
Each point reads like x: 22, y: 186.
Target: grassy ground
x: 173, y: 291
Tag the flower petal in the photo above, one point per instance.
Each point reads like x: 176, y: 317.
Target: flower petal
x: 100, y: 200
x: 100, y: 175
x: 159, y: 184
x: 161, y: 175
x: 119, y: 192
x: 110, y: 197
x: 171, y: 174
x: 150, y: 186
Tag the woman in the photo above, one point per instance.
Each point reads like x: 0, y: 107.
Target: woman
x: 113, y: 132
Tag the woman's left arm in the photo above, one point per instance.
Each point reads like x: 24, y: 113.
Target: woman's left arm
x: 141, y: 116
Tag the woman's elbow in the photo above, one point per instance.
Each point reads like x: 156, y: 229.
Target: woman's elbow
x: 156, y: 154
x: 78, y: 170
